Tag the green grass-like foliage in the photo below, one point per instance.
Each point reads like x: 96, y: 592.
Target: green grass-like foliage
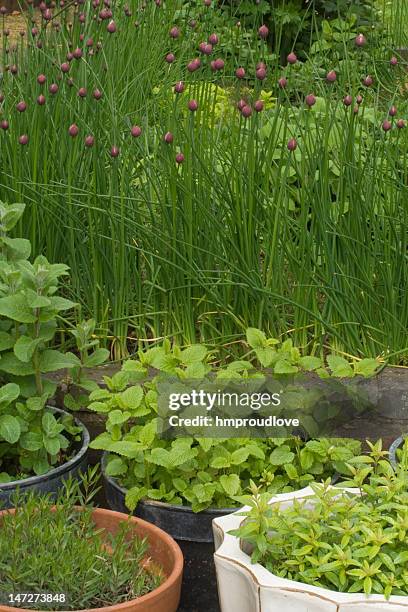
x: 58, y: 549
x: 338, y: 540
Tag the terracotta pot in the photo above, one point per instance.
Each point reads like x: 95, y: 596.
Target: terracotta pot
x: 163, y: 550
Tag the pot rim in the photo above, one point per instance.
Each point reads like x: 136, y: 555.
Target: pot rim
x: 230, y: 552
x: 159, y: 534
x: 60, y: 469
x: 159, y: 504
x: 393, y: 450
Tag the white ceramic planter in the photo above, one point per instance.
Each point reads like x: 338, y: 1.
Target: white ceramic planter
x: 247, y: 587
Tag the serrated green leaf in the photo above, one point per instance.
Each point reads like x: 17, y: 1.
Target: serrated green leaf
x: 193, y: 354
x: 339, y: 366
x: 52, y: 361
x: 10, y: 429
x: 9, y: 393
x: 255, y: 338
x: 15, y: 307
x: 281, y: 455
x: 230, y: 483
x: 97, y: 358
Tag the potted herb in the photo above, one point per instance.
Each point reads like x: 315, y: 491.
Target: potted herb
x: 118, y: 562
x: 183, y: 484
x: 39, y: 445
x: 322, y: 548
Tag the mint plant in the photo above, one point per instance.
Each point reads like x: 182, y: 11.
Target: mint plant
x: 200, y: 472
x: 90, y: 355
x: 284, y: 358
x: 336, y: 539
x: 31, y: 438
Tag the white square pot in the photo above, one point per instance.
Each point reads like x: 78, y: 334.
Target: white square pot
x: 247, y: 587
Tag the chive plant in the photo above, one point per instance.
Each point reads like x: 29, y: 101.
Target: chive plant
x: 153, y: 159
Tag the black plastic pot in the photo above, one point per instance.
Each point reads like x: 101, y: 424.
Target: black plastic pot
x: 193, y: 532
x: 52, y: 481
x: 393, y: 450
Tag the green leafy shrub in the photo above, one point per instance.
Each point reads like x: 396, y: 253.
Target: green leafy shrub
x: 32, y: 439
x: 204, y: 472
x: 44, y: 544
x: 336, y: 539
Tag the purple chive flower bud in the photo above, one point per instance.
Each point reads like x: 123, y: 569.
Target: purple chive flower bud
x: 246, y: 111
x: 213, y: 39
x: 259, y: 106
x: 97, y: 94
x: 360, y: 40
x: 179, y: 87
x: 21, y: 106
x: 73, y: 130
x: 170, y: 57
x: 193, y: 65
x: 82, y: 18
x: 359, y: 99
x: 69, y: 56
x: 89, y: 141
x: 41, y: 100
x: 23, y: 140
x: 240, y: 72
x: 219, y: 64
x: 47, y: 15
x: 179, y: 158
x: 292, y: 144
x: 174, y: 32
x: 394, y: 61
x: 207, y: 2
x: 89, y: 42
x: 368, y: 81
x: 240, y: 104
x: 77, y: 54
x: 82, y: 92
x: 261, y: 74
x: 387, y: 125
x: 168, y: 137
x: 207, y: 49
x: 263, y: 31
x: 53, y: 88
x: 111, y: 27
x: 282, y: 82
x: 114, y: 151
x: 393, y: 111
x: 331, y: 76
x: 356, y: 109
x: 310, y: 100
x: 13, y: 69
x: 65, y: 67
x: 400, y: 124
x: 4, y: 125
x: 193, y: 105
x: 292, y: 58
x: 347, y: 100
x: 34, y: 32
x: 136, y: 131
x: 3, y: 10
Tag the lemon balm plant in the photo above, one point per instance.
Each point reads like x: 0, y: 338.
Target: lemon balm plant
x: 33, y: 438
x: 202, y: 472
